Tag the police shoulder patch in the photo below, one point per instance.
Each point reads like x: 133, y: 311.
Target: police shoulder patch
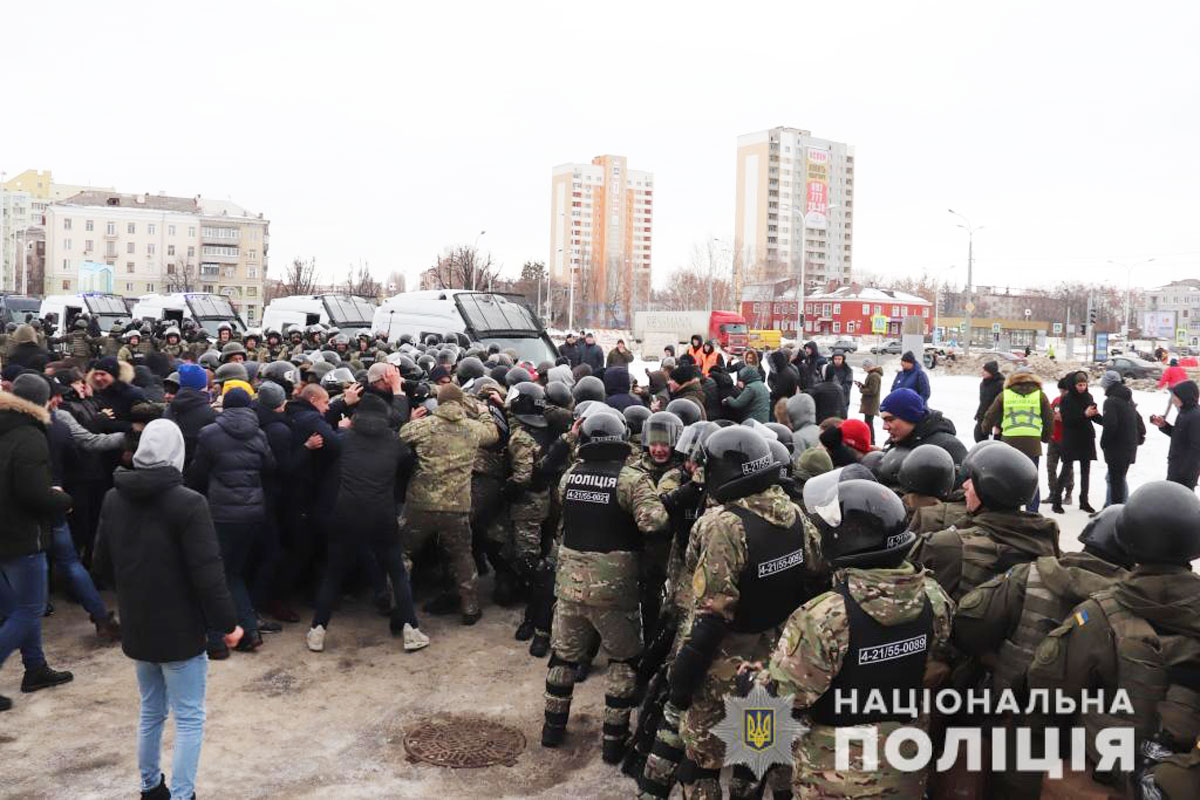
x: 699, y: 583
x: 971, y: 600
x: 1048, y: 650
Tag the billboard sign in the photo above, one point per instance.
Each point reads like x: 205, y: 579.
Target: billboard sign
x: 1158, y: 324
x: 816, y: 204
x: 95, y: 277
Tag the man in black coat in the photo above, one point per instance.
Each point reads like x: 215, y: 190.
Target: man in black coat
x: 114, y: 394
x: 191, y: 408
x: 829, y: 399
x: 269, y: 407
x: 1183, y: 459
x: 783, y: 380
x: 232, y: 457
x: 1120, y: 436
x: 26, y: 351
x: 373, y: 472
x: 810, y: 364
x: 157, y: 543
x: 29, y: 504
x: 570, y: 350
x: 591, y: 354
x: 991, y: 384
x: 1079, y: 416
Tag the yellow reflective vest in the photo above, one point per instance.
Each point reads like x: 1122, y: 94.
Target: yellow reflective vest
x: 1022, y: 415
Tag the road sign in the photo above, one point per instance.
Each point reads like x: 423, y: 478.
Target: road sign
x: 1181, y: 335
x: 995, y: 327
x: 970, y: 307
x: 962, y: 326
x: 1057, y: 328
x: 879, y: 324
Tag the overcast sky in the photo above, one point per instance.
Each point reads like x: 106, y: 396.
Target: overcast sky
x: 386, y: 131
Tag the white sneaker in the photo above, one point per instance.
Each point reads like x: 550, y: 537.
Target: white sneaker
x: 316, y: 638
x: 413, y: 638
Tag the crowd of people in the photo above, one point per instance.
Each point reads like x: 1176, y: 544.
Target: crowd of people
x: 722, y: 526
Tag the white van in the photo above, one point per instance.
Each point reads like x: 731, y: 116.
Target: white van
x: 208, y: 310
x: 348, y: 313
x: 106, y: 308
x: 490, y: 318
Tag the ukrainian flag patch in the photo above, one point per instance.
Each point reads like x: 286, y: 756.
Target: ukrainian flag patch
x: 1081, y: 617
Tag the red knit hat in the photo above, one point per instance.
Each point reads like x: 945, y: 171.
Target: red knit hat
x: 856, y: 434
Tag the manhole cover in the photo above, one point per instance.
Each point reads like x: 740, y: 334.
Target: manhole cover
x: 461, y: 741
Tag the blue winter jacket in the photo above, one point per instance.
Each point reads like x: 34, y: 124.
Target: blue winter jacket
x: 914, y: 379
x: 232, y: 455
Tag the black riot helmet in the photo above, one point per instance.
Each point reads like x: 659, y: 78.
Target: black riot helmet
x: 432, y: 339
x: 686, y: 410
x: 603, y: 437
x: 426, y: 363
x: 517, y: 375
x: 589, y: 388
x: 889, y: 468
x: 862, y: 523
x: 283, y: 373
x: 783, y: 458
x: 583, y: 406
x: 661, y: 427
x: 635, y: 417
x: 1004, y: 478
x: 928, y: 470
x: 737, y: 463
x: 1159, y: 524
x: 498, y: 373
x: 527, y: 402
x: 1100, y: 537
x: 558, y: 394
x: 973, y: 453
x: 784, y: 435
x: 872, y: 461
x: 469, y: 369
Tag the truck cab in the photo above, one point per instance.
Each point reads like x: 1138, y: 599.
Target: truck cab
x: 729, y: 329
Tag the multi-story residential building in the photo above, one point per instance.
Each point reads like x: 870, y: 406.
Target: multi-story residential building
x: 600, y: 238
x: 1172, y: 312
x: 847, y: 310
x: 795, y: 193
x: 157, y: 243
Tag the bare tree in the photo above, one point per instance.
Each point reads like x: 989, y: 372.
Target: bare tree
x: 360, y: 283
x: 396, y: 282
x: 299, y: 277
x: 180, y: 276
x: 462, y: 267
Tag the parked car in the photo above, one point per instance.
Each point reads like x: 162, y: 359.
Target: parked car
x: 1128, y: 368
x: 845, y: 346
x: 893, y: 348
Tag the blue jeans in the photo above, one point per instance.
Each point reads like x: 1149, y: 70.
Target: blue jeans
x: 1033, y: 505
x: 181, y: 686
x: 62, y: 551
x: 22, y: 602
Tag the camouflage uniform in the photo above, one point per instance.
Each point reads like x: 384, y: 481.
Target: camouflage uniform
x: 174, y: 350
x: 985, y: 545
x: 812, y: 652
x: 111, y: 344
x: 145, y: 346
x: 438, y: 502
x: 939, y: 517
x: 597, y: 594
x: 529, y: 510
x: 1141, y: 635
x: 1005, y: 620
x: 715, y: 591
x: 126, y: 353
x: 274, y: 352
x: 656, y: 551
x: 80, y: 346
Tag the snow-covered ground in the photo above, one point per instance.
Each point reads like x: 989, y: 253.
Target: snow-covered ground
x: 956, y: 396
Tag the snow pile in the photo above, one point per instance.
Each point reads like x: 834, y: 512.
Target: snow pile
x: 1048, y: 369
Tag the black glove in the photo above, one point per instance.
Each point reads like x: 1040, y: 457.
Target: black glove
x: 686, y: 496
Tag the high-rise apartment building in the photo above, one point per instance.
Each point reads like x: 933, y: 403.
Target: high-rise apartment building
x: 794, y: 192
x: 158, y: 244
x: 600, y: 237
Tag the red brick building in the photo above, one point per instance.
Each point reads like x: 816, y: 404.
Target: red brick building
x: 849, y: 310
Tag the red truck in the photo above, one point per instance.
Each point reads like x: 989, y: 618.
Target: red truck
x: 656, y: 329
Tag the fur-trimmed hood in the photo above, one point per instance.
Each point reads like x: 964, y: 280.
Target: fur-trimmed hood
x: 10, y: 402
x: 1023, y: 376
x: 127, y: 373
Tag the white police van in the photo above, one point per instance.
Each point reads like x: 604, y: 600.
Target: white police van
x: 485, y: 317
x: 208, y: 310
x: 105, y: 308
x: 349, y: 314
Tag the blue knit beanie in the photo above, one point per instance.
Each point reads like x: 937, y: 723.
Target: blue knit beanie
x: 905, y: 404
x: 192, y: 376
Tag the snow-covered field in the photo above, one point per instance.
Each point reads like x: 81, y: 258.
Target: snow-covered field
x: 956, y: 396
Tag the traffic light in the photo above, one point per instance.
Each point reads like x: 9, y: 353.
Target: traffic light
x: 1082, y: 329
x: 1091, y: 316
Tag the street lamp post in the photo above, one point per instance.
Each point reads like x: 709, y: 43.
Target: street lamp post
x: 1128, y: 292
x: 970, y: 305
x: 937, y: 299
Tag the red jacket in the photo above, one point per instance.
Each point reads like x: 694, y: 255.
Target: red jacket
x: 1056, y: 434
x: 1172, y: 376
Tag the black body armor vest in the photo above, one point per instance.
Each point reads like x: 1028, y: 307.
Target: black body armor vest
x: 772, y: 584
x: 593, y: 520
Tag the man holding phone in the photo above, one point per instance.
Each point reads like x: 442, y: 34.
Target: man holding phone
x: 1183, y: 459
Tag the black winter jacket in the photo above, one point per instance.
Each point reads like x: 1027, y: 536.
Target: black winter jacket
x: 121, y: 398
x: 843, y: 376
x: 784, y: 380
x: 190, y: 410
x: 989, y: 389
x: 1183, y: 459
x: 830, y: 401
x: 30, y: 356
x: 1119, y: 437
x: 810, y: 365
x: 936, y: 429
x: 1078, y: 431
x: 571, y: 353
x: 232, y: 456
x: 374, y: 468
x: 28, y: 504
x: 593, y: 356
x: 310, y: 487
x: 156, y: 542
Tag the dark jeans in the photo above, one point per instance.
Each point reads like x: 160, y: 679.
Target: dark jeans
x: 1118, y: 488
x: 1053, y: 460
x: 1036, y: 501
x: 301, y: 539
x: 237, y: 540
x: 1085, y: 471
x: 870, y: 420
x: 62, y: 552
x: 22, y: 602
x: 84, y: 517
x: 345, y: 549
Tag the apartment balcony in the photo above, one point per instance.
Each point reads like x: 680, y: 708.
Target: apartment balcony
x: 219, y: 235
x: 225, y: 255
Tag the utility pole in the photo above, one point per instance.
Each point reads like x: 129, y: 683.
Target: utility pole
x: 970, y: 304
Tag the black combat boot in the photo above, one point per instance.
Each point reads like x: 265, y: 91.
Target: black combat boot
x: 441, y: 605
x: 560, y: 687
x: 539, y: 646
x: 43, y: 678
